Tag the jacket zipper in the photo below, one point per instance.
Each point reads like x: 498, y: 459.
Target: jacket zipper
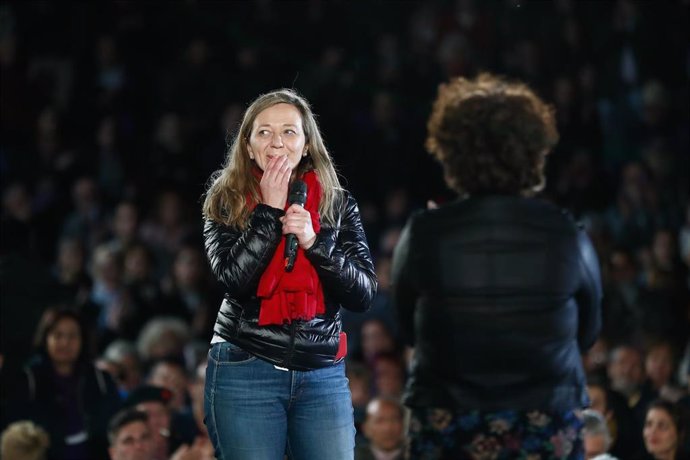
x: 291, y: 347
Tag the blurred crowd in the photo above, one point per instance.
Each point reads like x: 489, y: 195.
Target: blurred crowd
x: 114, y: 114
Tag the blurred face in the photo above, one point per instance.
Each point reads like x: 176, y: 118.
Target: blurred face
x: 173, y: 378
x: 390, y: 380
x: 133, y: 442
x: 597, y: 398
x: 359, y: 388
x: 663, y: 248
x: 126, y: 221
x: 595, y: 444
x: 277, y: 131
x: 159, y: 418
x: 660, y: 433
x: 375, y: 339
x: 71, y: 257
x: 625, y: 370
x: 106, y: 268
x: 64, y: 342
x: 188, y: 266
x: 137, y: 264
x: 659, y: 365
x: 384, y: 426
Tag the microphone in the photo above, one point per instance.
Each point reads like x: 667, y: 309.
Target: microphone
x: 298, y: 195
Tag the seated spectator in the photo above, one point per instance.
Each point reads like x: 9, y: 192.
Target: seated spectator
x: 163, y: 337
x: 62, y: 391
x: 664, y: 431
x: 626, y: 375
x: 167, y: 428
x: 625, y: 438
x: 24, y: 441
x: 660, y: 364
x: 596, y: 436
x: 130, y: 436
x: 124, y: 354
x: 376, y: 339
x: 170, y: 373
x: 70, y: 269
x: 385, y: 430
x: 389, y: 375
x: 124, y: 226
x: 108, y: 294
x: 142, y: 288
x: 190, y: 291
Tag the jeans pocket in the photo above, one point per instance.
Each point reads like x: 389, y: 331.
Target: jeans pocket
x: 230, y: 353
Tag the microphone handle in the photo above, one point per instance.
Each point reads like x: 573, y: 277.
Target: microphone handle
x: 290, y: 251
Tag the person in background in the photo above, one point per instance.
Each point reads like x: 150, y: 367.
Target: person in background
x: 130, y: 436
x: 171, y: 374
x: 24, y: 441
x: 124, y: 355
x: 277, y: 327
x: 167, y: 437
x: 597, y: 439
x: 505, y: 284
x: 626, y: 441
x: 61, y: 390
x: 659, y: 367
x: 626, y: 374
x: 384, y: 428
x: 664, y: 431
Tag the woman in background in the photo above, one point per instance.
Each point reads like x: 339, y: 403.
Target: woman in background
x: 665, y: 428
x: 63, y: 392
x: 498, y: 292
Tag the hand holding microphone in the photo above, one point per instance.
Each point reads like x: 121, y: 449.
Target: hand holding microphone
x: 297, y: 224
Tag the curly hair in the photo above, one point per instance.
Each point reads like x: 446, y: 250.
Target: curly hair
x: 491, y: 135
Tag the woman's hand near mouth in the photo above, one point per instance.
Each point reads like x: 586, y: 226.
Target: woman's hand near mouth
x: 274, y: 183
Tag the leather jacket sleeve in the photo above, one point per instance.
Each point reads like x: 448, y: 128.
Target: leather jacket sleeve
x: 589, y: 295
x: 340, y: 255
x: 238, y: 258
x: 342, y: 259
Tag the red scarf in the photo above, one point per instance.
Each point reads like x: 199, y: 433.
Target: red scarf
x: 286, y: 296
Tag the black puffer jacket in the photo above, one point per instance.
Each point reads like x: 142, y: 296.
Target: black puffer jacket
x: 341, y: 258
x: 498, y: 295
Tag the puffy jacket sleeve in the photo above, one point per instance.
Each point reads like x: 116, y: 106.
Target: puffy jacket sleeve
x: 238, y: 258
x: 342, y: 259
x: 403, y: 285
x: 589, y: 294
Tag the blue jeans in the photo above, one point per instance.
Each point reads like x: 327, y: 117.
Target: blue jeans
x: 254, y: 411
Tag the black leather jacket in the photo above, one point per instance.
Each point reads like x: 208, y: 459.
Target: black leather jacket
x: 499, y: 295
x: 341, y: 258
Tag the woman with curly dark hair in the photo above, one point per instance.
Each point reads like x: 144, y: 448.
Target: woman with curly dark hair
x: 498, y: 292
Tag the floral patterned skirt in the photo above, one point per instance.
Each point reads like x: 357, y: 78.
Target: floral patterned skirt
x: 524, y: 435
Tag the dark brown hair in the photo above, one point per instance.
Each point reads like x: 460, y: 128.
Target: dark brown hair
x: 50, y: 318
x: 678, y: 416
x: 491, y: 135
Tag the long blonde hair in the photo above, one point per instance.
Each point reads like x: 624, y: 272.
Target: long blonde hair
x: 226, y: 197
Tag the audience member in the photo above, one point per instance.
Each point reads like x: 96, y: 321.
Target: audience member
x: 24, y: 441
x: 384, y: 428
